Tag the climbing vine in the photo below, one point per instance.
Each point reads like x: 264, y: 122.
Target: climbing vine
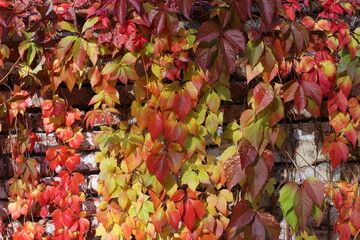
x: 157, y: 179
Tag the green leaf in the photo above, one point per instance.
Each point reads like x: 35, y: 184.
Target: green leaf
x: 229, y: 152
x: 254, y: 50
x: 191, y: 179
x: 211, y: 123
x: 287, y: 194
x: 109, y: 68
x: 92, y: 50
x: 128, y: 58
x: 64, y: 45
x: 31, y: 53
x: 213, y: 102
x: 67, y: 26
x: 79, y: 53
x: 89, y: 23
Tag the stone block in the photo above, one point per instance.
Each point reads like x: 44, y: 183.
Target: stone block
x: 322, y: 171
x: 4, y: 210
x: 90, y: 206
x: 87, y: 163
x: 4, y: 189
x: 92, y: 184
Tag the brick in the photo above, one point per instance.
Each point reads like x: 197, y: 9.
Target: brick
x: 4, y: 210
x: 126, y: 94
x: 232, y: 112
x: 93, y: 225
x: 87, y: 163
x: 92, y: 184
x: 322, y: 171
x: 50, y: 227
x: 90, y: 206
x: 4, y: 189
x: 50, y: 141
x: 88, y: 143
x: 350, y: 171
x: 46, y: 141
x: 238, y: 91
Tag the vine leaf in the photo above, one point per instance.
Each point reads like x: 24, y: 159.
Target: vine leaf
x: 233, y: 171
x: 258, y: 230
x: 263, y: 95
x: 185, y: 7
x: 207, y: 32
x: 155, y: 125
x: 242, y: 214
x: 247, y: 153
x: 267, y: 10
x: 236, y: 38
x: 303, y: 206
x: 182, y: 104
x: 336, y: 148
x: 257, y: 177
x: 158, y: 165
x: 121, y: 10
x: 271, y: 224
x: 315, y: 189
x: 229, y: 53
x: 313, y: 90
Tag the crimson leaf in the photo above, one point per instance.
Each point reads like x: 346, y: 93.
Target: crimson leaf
x: 121, y: 10
x: 207, y: 32
x: 242, y: 214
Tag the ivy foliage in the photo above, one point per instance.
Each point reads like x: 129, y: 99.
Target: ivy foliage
x: 157, y: 180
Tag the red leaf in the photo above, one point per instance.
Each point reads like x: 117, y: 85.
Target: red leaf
x: 242, y: 214
x: 343, y: 229
x: 315, y: 189
x: 178, y: 196
x: 155, y: 124
x: 258, y: 231
x: 308, y: 21
x: 158, y: 165
x: 336, y: 148
x: 271, y: 224
x: 185, y: 7
x: 193, y: 209
x: 247, y: 153
x: 189, y: 216
x: 263, y: 95
x: 233, y: 171
x: 355, y: 216
x: 161, y: 23
x: 180, y: 132
x: 228, y: 53
x: 182, y: 104
x: 236, y: 38
x: 289, y: 90
x: 302, y: 206
x: 351, y: 133
x: 175, y: 159
x: 174, y: 216
x: 204, y: 56
x: 44, y: 212
x: 268, y: 157
x: 257, y: 177
x: 121, y: 10
x: 207, y: 32
x: 267, y: 10
x: 300, y: 99
x: 313, y: 90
